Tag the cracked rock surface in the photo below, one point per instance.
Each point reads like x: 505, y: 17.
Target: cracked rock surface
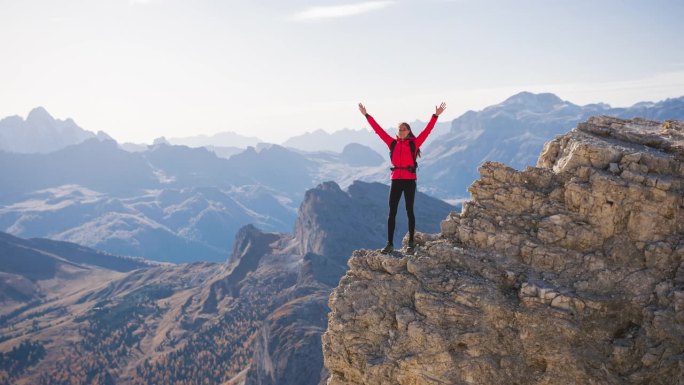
x: 570, y: 272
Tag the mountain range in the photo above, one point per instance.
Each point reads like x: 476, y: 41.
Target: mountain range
x: 168, y: 202
x: 513, y: 132
x: 221, y: 139
x: 41, y: 133
x: 320, y: 140
x: 177, y: 203
x: 256, y: 318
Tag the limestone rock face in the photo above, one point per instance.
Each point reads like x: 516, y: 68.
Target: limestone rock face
x: 571, y: 272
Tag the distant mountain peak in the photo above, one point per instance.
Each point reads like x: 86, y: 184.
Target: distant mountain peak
x: 39, y: 114
x: 160, y: 140
x: 329, y: 186
x: 356, y: 154
x: 103, y: 135
x: 40, y: 132
x: 645, y: 104
x: 599, y: 105
x: 527, y: 98
x: 220, y: 139
x: 250, y: 244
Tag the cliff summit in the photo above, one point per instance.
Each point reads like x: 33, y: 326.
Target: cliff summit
x: 570, y: 272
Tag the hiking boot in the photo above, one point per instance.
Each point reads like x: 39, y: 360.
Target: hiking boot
x: 387, y: 249
x: 410, y: 248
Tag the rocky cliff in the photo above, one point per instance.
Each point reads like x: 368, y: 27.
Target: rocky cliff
x: 570, y: 272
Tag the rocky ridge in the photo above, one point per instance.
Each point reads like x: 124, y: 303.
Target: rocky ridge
x: 570, y: 272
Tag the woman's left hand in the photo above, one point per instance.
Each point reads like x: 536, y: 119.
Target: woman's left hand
x: 440, y: 109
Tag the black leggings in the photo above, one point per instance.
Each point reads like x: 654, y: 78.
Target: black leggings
x: 408, y: 187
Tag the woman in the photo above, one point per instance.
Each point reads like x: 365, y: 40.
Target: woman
x: 403, y: 176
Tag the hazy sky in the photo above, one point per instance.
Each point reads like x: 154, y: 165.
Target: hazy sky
x: 139, y: 69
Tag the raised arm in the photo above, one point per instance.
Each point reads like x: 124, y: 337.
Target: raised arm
x: 431, y: 124
x: 376, y: 127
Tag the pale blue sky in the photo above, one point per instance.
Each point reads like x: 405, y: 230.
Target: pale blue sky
x: 139, y: 69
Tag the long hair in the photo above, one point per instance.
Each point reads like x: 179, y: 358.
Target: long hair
x: 410, y: 135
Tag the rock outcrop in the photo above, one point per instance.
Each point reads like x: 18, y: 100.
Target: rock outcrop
x: 570, y: 272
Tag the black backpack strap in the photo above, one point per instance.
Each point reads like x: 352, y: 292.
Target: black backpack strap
x: 391, y: 147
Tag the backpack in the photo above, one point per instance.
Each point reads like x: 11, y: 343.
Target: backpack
x: 413, y: 154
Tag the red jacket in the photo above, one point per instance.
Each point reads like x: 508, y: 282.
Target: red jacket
x: 401, y: 157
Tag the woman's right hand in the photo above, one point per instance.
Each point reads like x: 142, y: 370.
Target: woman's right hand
x: 362, y: 109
